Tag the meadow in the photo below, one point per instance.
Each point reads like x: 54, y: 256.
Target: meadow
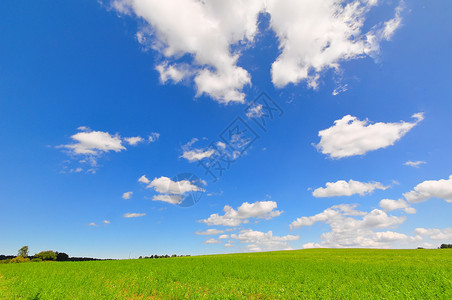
x: 309, y: 274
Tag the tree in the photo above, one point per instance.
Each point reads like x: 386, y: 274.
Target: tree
x: 445, y: 246
x: 46, y: 255
x: 61, y: 256
x: 23, y: 251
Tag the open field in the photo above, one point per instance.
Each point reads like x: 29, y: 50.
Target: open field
x: 316, y: 273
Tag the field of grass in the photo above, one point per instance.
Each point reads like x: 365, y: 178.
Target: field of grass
x: 316, y: 273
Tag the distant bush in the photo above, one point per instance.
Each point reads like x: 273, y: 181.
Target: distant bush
x: 5, y: 261
x: 46, y: 255
x: 446, y: 246
x: 61, y: 256
x: 19, y: 259
x: 36, y: 260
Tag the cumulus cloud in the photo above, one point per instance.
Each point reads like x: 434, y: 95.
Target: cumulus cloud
x: 133, y: 141
x: 229, y: 244
x: 92, y: 224
x: 261, y: 241
x: 212, y: 241
x: 232, y: 217
x: 317, y: 35
x: 441, y: 189
x: 175, y: 73
x: 352, y: 228
x: 127, y: 195
x: 350, y: 136
x: 211, y: 231
x: 133, y: 215
x: 435, y: 234
x: 344, y: 188
x: 414, y: 164
x: 144, y: 179
x: 172, y: 191
x: 197, y: 154
x: 173, y: 199
x: 165, y: 185
x: 94, y: 143
x: 206, y: 32
x: 390, y: 205
x: 313, y: 36
x: 88, y: 145
x: 106, y: 222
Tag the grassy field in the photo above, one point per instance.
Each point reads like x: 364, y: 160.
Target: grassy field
x: 316, y: 273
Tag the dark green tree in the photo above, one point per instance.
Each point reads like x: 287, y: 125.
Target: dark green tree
x: 61, y: 256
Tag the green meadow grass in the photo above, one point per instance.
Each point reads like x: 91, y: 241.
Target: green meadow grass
x: 311, y: 274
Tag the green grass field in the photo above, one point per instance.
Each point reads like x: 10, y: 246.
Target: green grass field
x: 312, y: 274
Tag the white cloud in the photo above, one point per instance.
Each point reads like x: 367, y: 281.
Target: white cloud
x: 133, y: 215
x: 89, y: 145
x: 211, y: 231
x: 193, y: 155
x: 317, y: 35
x: 229, y: 244
x: 414, y: 164
x: 212, y: 241
x: 106, y: 222
x: 165, y: 185
x: 261, y: 241
x: 92, y: 224
x: 352, y: 228
x: 223, y: 236
x: 384, y: 31
x: 344, y: 188
x: 349, y: 136
x: 173, y: 199
x: 205, y: 31
x: 94, y: 143
x: 390, y: 205
x: 197, y: 154
x: 176, y: 73
x: 313, y: 36
x: 127, y: 195
x: 133, y: 141
x: 153, y: 137
x: 255, y: 111
x: 436, y: 234
x: 144, y: 179
x: 441, y: 189
x: 340, y: 89
x: 232, y: 217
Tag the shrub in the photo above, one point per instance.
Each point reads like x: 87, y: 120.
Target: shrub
x: 46, y: 255
x: 36, y: 260
x: 61, y: 256
x: 5, y: 261
x: 19, y: 259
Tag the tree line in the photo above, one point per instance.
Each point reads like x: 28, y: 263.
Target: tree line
x: 48, y: 255
x: 161, y: 256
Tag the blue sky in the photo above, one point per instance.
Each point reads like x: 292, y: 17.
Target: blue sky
x: 358, y: 156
